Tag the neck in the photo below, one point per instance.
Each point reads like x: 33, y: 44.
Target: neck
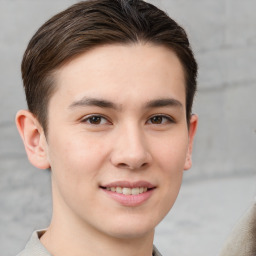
x: 68, y: 235
x: 86, y: 242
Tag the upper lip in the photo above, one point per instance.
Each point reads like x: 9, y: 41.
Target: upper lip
x: 128, y: 184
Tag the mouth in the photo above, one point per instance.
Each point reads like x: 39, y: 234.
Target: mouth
x: 129, y: 193
x: 127, y: 190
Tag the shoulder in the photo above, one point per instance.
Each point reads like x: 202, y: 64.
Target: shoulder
x: 23, y: 253
x: 242, y: 240
x: 156, y: 252
x: 34, y: 246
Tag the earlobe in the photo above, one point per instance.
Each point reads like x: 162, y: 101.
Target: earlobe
x: 33, y: 138
x: 191, y: 133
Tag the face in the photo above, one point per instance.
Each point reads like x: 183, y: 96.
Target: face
x: 118, y: 140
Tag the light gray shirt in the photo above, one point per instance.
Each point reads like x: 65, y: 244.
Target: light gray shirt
x: 35, y: 248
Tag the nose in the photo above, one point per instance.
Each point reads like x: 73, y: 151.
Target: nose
x: 130, y: 150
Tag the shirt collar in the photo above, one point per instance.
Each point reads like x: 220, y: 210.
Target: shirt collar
x: 35, y: 247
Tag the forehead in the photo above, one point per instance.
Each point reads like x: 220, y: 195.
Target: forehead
x: 120, y: 72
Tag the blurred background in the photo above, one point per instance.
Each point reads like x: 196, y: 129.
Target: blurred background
x: 222, y: 183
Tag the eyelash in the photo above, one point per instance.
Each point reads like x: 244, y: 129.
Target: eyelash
x: 168, y: 118
x: 90, y: 118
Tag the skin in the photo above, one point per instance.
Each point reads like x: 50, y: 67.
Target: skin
x: 125, y: 141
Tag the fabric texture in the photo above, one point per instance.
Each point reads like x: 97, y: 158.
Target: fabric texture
x: 242, y: 240
x: 156, y: 252
x: 35, y: 248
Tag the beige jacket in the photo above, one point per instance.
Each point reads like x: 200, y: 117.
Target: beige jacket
x: 242, y: 240
x: 35, y: 248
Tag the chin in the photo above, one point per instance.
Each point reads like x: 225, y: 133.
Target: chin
x: 132, y: 234
x: 132, y: 228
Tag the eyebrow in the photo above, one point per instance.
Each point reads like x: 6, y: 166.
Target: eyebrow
x: 84, y: 102
x: 165, y: 102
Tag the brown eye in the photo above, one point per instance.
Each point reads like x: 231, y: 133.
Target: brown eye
x: 156, y: 120
x: 160, y: 119
x: 95, y: 120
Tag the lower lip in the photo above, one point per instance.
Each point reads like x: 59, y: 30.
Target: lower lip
x: 130, y: 200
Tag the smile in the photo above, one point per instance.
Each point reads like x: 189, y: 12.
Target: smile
x: 129, y: 194
x: 128, y: 191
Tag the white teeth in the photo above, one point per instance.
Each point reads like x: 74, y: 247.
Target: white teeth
x: 119, y: 190
x: 128, y: 191
x: 135, y: 191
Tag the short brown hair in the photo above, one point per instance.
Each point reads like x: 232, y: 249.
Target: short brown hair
x: 92, y: 23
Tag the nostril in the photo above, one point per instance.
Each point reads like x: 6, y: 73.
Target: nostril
x: 123, y: 165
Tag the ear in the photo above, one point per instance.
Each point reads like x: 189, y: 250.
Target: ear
x: 33, y: 138
x: 191, y: 135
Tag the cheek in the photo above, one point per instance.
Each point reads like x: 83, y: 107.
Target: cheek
x: 171, y: 157
x: 170, y: 154
x: 76, y: 165
x: 172, y: 166
x: 76, y: 161
x: 77, y: 149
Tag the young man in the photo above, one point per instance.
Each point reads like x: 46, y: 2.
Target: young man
x: 109, y: 86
